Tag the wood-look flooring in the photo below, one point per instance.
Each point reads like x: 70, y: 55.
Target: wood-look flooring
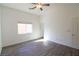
x: 39, y: 48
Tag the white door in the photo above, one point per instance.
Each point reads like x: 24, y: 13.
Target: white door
x: 75, y: 31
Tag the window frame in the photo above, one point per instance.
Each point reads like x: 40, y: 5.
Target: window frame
x: 24, y: 23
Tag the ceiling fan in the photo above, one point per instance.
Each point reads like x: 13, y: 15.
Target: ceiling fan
x: 39, y: 5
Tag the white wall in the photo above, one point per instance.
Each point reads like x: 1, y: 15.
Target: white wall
x: 42, y: 27
x: 57, y: 21
x: 0, y: 32
x: 10, y: 19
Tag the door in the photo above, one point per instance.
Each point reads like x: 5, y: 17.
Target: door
x: 75, y: 31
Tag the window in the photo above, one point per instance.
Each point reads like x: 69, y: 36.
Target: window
x: 24, y: 28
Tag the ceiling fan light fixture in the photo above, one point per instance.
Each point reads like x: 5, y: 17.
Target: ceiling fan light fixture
x: 39, y: 6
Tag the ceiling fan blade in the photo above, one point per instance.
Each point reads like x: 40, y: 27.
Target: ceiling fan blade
x: 34, y: 3
x: 32, y: 8
x: 41, y: 9
x: 45, y: 4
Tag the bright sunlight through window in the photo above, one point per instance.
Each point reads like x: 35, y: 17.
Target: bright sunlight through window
x: 24, y: 28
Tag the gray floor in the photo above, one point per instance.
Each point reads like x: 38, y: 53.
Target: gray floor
x: 39, y: 48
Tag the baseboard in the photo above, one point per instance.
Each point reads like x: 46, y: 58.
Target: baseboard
x: 63, y: 44
x: 24, y: 42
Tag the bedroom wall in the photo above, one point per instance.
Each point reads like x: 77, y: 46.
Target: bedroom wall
x: 10, y: 19
x: 0, y: 32
x: 57, y: 20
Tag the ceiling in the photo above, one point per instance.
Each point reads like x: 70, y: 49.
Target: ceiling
x: 23, y: 7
